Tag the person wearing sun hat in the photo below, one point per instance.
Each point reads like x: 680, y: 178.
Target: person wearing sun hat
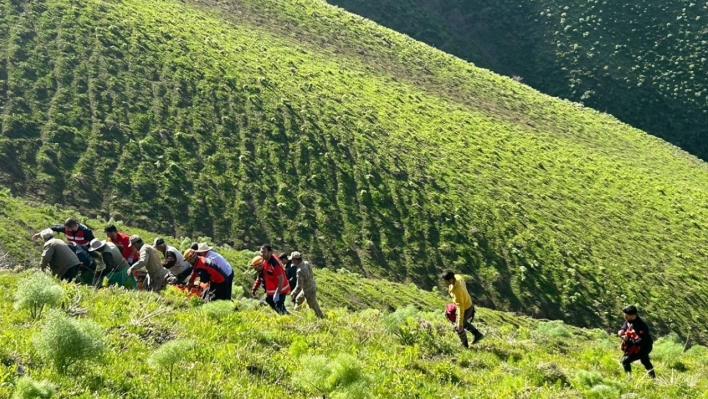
x: 150, y: 260
x: 114, y: 263
x: 203, y: 249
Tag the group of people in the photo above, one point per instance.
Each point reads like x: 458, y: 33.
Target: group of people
x: 116, y: 260
x: 120, y: 260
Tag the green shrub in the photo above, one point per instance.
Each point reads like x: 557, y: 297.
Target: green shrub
x: 64, y: 341
x: 341, y: 377
x: 169, y: 354
x: 298, y: 347
x: 218, y: 310
x: 28, y: 388
x: 555, y: 328
x: 394, y: 321
x: 588, y: 379
x: 603, y: 392
x: 37, y: 291
x: 549, y: 373
x: 668, y: 350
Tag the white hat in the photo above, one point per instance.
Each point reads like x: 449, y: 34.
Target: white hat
x: 96, y: 244
x: 46, y: 234
x: 204, y: 247
x: 295, y: 255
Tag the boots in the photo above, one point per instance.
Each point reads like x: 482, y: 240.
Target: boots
x: 477, y: 336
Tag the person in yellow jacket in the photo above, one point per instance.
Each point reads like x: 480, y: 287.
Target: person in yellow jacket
x: 465, y: 310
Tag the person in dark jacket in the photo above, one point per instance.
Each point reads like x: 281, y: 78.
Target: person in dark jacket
x: 74, y: 231
x: 637, y: 342
x: 290, y: 269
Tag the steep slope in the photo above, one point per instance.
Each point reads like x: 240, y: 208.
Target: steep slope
x: 252, y: 353
x: 642, y: 61
x: 300, y: 124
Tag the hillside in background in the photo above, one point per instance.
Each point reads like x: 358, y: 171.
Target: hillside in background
x: 297, y: 123
x: 643, y: 61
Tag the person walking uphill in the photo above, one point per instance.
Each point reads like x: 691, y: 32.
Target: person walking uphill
x: 74, y: 231
x: 62, y: 261
x: 305, y: 288
x: 271, y: 276
x: 150, y: 260
x: 465, y: 310
x: 637, y: 342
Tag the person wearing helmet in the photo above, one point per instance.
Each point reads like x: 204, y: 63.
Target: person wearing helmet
x: 271, y: 276
x: 463, y: 307
x: 208, y: 272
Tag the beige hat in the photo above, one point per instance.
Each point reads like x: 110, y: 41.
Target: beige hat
x: 295, y: 255
x: 46, y: 234
x: 96, y: 244
x: 135, y: 238
x: 204, y: 247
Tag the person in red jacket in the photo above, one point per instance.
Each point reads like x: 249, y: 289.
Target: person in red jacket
x: 122, y: 241
x: 208, y: 272
x: 271, y: 275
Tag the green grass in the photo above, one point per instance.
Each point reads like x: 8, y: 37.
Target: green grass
x: 163, y: 346
x: 642, y: 61
x: 302, y: 125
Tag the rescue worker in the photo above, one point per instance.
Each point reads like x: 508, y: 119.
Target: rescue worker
x: 637, y: 342
x: 290, y: 270
x: 465, y: 310
x: 122, y: 241
x: 271, y: 276
x: 58, y: 256
x: 203, y: 249
x: 179, y: 268
x: 150, y: 260
x: 113, y: 264
x: 306, y: 288
x: 74, y: 231
x: 208, y: 272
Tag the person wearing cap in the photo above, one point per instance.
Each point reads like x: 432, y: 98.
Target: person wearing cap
x: 58, y: 256
x: 290, y: 269
x: 203, y: 249
x: 465, y: 310
x: 306, y: 288
x: 271, y: 275
x: 122, y: 241
x: 113, y: 262
x: 208, y: 272
x: 637, y: 342
x: 179, y: 268
x: 74, y: 231
x: 150, y: 260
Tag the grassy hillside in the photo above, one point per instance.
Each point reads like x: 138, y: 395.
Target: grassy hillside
x: 299, y: 124
x: 642, y: 61
x: 252, y: 353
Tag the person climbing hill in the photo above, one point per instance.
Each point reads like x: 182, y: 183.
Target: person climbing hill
x: 74, y: 231
x: 637, y: 342
x: 306, y: 288
x: 271, y: 275
x: 465, y: 310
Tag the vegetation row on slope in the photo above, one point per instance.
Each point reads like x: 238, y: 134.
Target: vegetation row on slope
x: 360, y: 147
x: 642, y: 61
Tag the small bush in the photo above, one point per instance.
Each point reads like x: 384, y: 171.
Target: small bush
x: 64, y: 341
x: 298, y: 347
x: 588, y: 378
x: 550, y: 373
x: 342, y: 377
x: 28, y: 388
x: 169, y: 354
x: 668, y: 350
x: 555, y: 329
x: 37, y: 291
x: 603, y: 392
x: 394, y: 321
x: 218, y: 310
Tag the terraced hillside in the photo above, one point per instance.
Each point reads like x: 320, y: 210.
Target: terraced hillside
x: 297, y: 123
x: 642, y: 61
